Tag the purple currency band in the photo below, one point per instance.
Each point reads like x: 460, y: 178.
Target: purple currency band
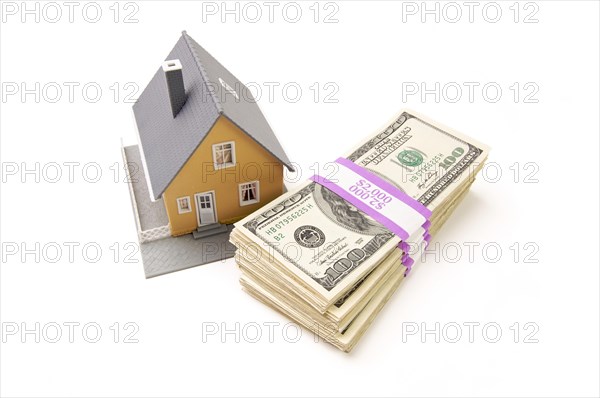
x: 407, y: 260
x: 381, y: 183
x: 404, y: 246
x: 408, y: 264
x: 427, y: 238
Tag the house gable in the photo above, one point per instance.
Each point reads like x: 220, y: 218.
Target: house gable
x: 167, y: 142
x: 237, y: 102
x: 253, y: 163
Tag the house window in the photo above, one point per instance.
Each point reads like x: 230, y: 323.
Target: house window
x: 183, y: 205
x: 224, y: 155
x: 249, y: 193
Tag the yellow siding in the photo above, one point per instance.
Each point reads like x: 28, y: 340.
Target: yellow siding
x: 253, y: 163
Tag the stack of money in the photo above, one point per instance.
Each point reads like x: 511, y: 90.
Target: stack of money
x: 329, y: 255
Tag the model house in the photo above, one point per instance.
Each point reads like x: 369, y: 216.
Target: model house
x: 207, y: 151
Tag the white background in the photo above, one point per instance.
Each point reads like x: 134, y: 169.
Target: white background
x: 370, y: 54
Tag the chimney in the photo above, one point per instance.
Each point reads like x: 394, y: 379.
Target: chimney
x: 174, y: 78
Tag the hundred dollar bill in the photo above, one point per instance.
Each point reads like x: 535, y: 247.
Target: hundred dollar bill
x: 345, y: 331
x: 323, y: 244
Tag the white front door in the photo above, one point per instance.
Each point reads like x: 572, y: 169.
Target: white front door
x: 205, y: 204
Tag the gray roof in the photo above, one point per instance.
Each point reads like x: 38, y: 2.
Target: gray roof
x: 166, y: 142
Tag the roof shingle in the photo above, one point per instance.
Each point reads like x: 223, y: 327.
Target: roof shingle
x: 166, y: 143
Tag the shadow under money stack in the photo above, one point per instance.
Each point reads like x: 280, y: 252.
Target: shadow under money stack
x: 332, y: 252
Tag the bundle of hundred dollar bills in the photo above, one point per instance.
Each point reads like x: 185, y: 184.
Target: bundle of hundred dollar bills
x: 331, y: 253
